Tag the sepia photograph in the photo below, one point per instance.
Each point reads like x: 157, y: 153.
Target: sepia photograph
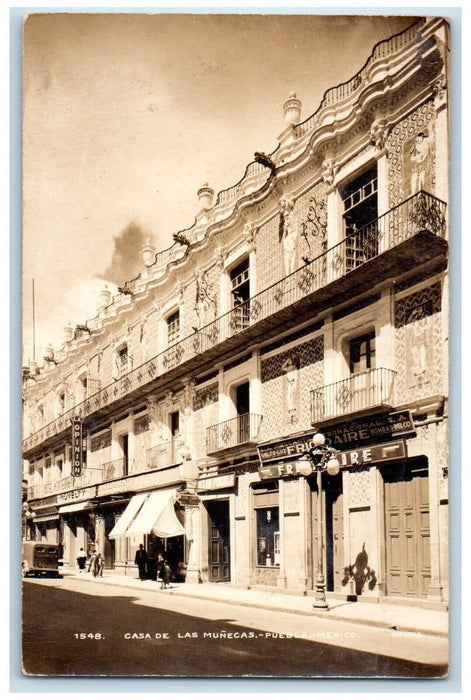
x: 235, y: 345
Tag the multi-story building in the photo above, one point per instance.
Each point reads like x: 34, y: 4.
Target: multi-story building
x: 310, y: 296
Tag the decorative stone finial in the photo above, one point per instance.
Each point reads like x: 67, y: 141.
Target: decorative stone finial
x: 292, y: 109
x: 105, y: 296
x: 68, y: 332
x: 206, y: 196
x: 148, y: 253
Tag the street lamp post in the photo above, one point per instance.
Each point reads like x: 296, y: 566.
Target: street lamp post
x: 320, y: 458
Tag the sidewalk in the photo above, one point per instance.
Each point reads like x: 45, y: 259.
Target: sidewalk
x: 403, y: 618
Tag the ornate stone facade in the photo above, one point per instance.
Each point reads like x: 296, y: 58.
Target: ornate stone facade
x: 419, y: 344
x: 401, y: 146
x: 303, y: 367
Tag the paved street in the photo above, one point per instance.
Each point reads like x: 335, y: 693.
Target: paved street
x: 79, y: 627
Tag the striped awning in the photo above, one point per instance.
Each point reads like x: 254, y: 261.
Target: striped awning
x: 128, y: 515
x: 153, y: 511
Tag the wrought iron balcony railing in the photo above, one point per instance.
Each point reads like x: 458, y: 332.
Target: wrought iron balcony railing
x: 66, y: 483
x: 421, y: 211
x: 358, y: 392
x: 163, y: 455
x: 231, y: 433
x: 116, y: 468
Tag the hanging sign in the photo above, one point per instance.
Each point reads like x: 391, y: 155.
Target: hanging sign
x: 77, y: 447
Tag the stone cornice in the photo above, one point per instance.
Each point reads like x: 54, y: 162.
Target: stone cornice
x: 386, y: 81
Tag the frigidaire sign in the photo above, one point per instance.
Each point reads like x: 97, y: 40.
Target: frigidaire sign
x: 343, y: 436
x: 363, y: 456
x: 368, y: 430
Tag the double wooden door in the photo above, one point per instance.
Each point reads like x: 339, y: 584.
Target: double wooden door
x: 407, y: 516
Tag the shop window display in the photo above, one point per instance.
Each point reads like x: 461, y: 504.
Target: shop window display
x: 268, y: 537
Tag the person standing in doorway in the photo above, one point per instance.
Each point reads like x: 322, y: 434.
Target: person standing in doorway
x: 141, y: 560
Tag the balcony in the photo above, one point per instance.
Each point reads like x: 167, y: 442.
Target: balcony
x: 239, y: 431
x: 361, y: 392
x: 163, y: 455
x: 116, y: 469
x: 66, y: 483
x: 409, y: 235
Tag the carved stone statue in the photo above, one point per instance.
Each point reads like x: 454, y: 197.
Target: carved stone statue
x: 289, y: 235
x: 418, y: 156
x: 291, y: 372
x: 379, y: 133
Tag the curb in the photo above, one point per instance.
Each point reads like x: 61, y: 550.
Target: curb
x: 274, y: 608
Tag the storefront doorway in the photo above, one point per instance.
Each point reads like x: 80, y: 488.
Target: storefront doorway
x: 407, y: 529
x: 109, y: 545
x: 332, y: 506
x: 219, y: 551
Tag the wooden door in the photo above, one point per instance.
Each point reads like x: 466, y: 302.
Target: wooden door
x: 219, y: 552
x: 332, y: 505
x: 406, y: 503
x: 337, y: 537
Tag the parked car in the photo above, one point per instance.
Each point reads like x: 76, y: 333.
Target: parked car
x: 40, y: 559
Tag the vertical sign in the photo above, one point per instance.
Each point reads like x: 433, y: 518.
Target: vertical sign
x: 77, y: 447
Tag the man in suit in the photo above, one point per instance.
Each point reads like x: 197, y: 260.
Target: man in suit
x: 141, y: 560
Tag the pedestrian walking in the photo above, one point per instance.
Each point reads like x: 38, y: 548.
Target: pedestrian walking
x: 81, y: 560
x: 141, y: 560
x: 100, y: 565
x: 166, y: 575
x: 92, y: 563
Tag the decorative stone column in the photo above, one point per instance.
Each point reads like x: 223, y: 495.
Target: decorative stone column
x: 293, y: 534
x: 379, y: 132
x: 193, y: 538
x: 100, y: 533
x: 434, y: 436
x: 334, y: 219
x: 244, y: 537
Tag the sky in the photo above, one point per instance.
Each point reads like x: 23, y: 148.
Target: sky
x: 126, y: 116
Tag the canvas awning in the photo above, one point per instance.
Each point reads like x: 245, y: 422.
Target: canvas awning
x: 129, y: 513
x: 154, y: 513
x: 46, y: 518
x: 74, y: 507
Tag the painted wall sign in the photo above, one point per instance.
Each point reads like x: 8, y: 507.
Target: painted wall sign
x: 75, y: 495
x: 225, y: 481
x: 77, y: 447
